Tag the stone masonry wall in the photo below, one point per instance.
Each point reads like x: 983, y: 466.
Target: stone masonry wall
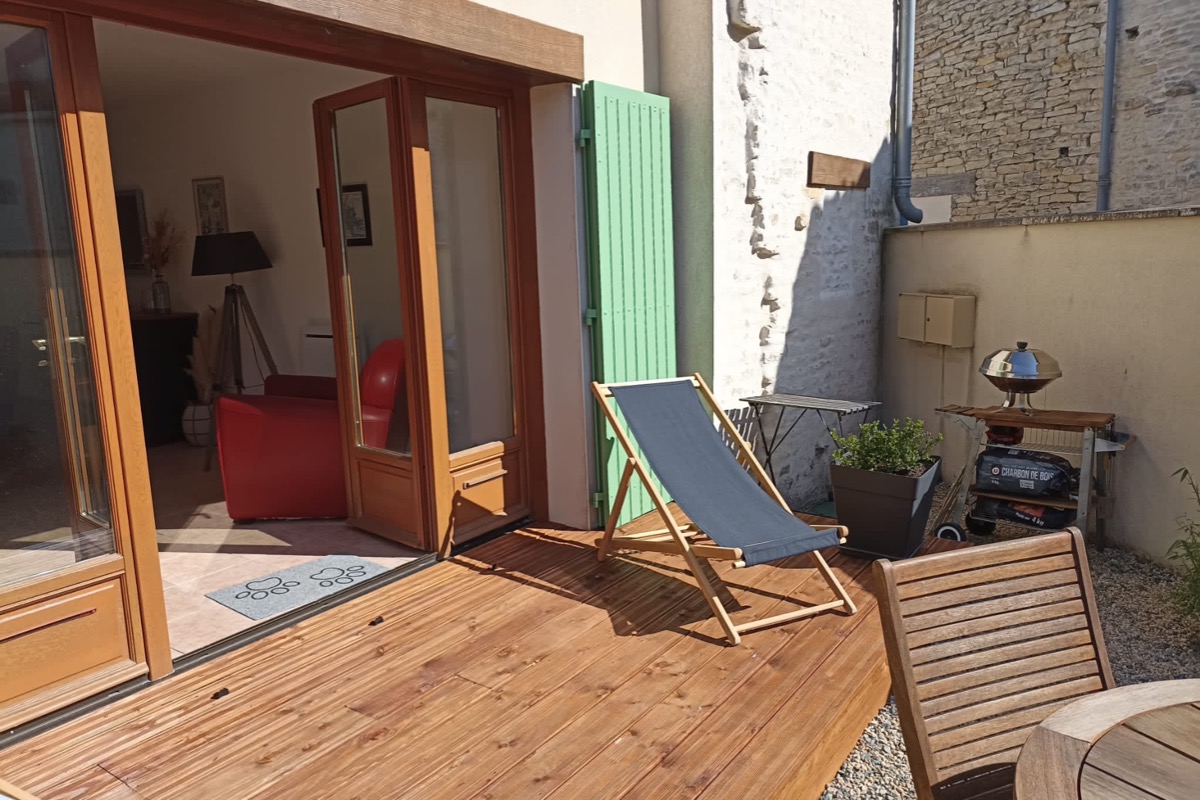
x: 1010, y: 91
x: 1156, y: 155
x: 1008, y: 97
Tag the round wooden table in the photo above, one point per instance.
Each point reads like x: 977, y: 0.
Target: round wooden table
x: 1132, y: 742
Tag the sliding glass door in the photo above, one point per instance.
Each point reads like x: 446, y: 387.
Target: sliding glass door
x: 73, y: 618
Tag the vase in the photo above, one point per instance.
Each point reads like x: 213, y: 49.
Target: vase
x: 160, y: 296
x: 197, y: 424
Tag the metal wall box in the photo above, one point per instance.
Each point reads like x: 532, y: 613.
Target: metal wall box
x: 945, y: 319
x: 912, y: 317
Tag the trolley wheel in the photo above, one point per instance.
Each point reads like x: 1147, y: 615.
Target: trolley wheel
x: 981, y: 527
x: 952, y: 531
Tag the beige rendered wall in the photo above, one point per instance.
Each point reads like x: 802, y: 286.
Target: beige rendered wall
x: 1113, y: 300
x: 612, y: 30
x: 619, y: 47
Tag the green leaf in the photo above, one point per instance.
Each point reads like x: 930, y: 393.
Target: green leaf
x: 901, y: 448
x: 1185, y: 551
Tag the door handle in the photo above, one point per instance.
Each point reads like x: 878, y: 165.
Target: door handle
x: 42, y: 344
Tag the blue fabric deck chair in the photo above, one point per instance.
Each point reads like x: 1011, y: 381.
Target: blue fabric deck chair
x: 734, y: 512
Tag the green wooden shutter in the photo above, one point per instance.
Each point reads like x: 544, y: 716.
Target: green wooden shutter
x: 631, y: 256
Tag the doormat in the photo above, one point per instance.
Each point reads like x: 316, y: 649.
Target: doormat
x: 295, y: 586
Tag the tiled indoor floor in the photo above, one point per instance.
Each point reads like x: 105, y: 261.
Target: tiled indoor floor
x: 201, y: 549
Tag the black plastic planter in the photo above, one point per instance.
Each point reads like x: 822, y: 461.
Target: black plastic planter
x: 886, y: 514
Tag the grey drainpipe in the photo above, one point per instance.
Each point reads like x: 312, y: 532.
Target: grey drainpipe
x: 902, y: 166
x: 1104, y: 184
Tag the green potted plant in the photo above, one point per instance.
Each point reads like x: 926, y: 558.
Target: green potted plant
x: 883, y: 479
x: 1185, y: 551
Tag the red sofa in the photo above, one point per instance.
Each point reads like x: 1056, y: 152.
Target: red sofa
x: 281, y: 451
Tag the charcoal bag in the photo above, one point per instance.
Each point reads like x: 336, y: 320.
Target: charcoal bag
x: 1051, y: 519
x: 1025, y: 472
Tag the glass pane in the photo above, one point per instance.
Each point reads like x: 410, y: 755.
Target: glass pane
x: 468, y: 212
x: 54, y: 504
x: 372, y: 274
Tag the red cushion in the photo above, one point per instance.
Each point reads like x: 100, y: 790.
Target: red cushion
x: 281, y: 457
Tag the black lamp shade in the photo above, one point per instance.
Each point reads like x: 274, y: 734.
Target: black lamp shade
x: 226, y: 253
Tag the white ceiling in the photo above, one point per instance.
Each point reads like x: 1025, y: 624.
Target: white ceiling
x: 140, y: 65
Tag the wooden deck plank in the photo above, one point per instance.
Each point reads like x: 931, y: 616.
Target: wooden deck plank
x: 582, y: 664
x: 817, y: 719
x: 280, y: 741
x: 412, y: 670
x: 649, y: 713
x: 95, y: 784
x: 320, y: 648
x: 687, y: 769
x: 523, y: 660
x: 654, y: 682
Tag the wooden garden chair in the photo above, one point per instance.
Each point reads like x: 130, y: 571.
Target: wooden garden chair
x: 730, y: 517
x: 983, y: 644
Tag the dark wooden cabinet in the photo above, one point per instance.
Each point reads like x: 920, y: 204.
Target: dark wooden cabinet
x: 162, y: 344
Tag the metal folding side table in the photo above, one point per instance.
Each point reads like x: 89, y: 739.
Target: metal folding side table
x: 803, y: 404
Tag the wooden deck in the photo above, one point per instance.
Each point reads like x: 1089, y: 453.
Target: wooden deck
x: 521, y: 670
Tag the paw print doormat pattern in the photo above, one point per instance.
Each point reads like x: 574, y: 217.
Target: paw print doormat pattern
x: 295, y: 586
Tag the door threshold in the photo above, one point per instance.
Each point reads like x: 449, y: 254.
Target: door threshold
x: 289, y: 618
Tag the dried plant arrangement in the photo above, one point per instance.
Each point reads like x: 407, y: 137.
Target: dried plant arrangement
x: 161, y: 243
x: 204, y: 353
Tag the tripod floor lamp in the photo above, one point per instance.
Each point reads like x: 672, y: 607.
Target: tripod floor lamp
x: 229, y: 254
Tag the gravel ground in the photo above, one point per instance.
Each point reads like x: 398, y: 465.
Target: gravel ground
x: 1148, y: 639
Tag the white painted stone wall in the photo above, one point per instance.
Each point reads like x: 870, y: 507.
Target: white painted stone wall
x: 778, y: 285
x: 796, y: 271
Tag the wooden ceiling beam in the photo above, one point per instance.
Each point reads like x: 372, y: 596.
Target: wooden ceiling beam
x: 434, y: 38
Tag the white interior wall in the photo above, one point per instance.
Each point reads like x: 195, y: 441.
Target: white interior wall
x: 257, y: 133
x: 363, y: 158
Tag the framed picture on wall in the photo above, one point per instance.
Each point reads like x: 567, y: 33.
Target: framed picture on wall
x: 356, y: 215
x: 211, y: 214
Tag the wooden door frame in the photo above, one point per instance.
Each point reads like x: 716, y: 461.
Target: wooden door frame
x: 447, y: 39
x: 358, y: 40
x: 92, y: 202
x: 423, y: 458
x: 516, y: 174
x: 417, y: 227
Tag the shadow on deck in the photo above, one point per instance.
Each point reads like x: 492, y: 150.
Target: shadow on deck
x: 522, y: 669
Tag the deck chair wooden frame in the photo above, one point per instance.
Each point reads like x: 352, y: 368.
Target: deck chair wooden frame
x: 984, y: 643
x: 685, y: 539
